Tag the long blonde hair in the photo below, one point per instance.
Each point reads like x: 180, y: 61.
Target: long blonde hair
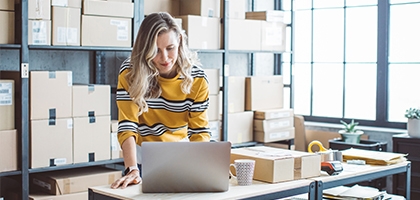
x: 143, y: 77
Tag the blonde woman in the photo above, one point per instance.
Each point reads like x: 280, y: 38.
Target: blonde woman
x: 162, y: 93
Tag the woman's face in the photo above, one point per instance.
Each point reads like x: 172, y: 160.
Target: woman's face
x: 167, y: 45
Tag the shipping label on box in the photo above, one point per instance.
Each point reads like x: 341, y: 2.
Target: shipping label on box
x: 39, y: 32
x: 7, y: 105
x: 269, y: 125
x: 273, y: 113
x: 275, y: 135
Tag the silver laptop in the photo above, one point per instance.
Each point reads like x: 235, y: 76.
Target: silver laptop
x: 185, y: 166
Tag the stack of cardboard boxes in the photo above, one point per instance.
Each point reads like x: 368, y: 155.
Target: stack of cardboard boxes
x: 7, y: 22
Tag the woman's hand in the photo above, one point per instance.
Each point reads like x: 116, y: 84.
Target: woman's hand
x: 132, y: 178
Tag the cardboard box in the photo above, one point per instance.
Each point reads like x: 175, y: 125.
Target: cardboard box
x: 65, y: 26
x: 108, y: 8
x: 236, y: 95
x: 268, y: 15
x: 118, y: 31
x: 269, y: 165
x: 273, y: 36
x: 7, y: 105
x: 91, y: 100
x: 7, y: 5
x: 116, y: 151
x: 271, y: 97
x: 7, y: 25
x: 213, y: 76
x: 8, y: 150
x: 39, y: 32
x: 169, y: 6
x: 205, y: 8
x: 268, y: 125
x: 39, y: 9
x: 240, y: 127
x: 67, y: 3
x: 274, y: 135
x: 50, y: 94
x: 51, y: 142
x: 213, y: 110
x: 91, y: 139
x: 202, y: 32
x: 237, y: 9
x: 73, y: 180
x: 215, y: 130
x: 244, y: 40
x: 74, y: 196
x: 273, y: 113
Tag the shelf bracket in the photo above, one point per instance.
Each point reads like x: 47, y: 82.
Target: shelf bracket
x: 24, y: 68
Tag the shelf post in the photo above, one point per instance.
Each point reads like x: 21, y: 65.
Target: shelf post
x: 225, y: 70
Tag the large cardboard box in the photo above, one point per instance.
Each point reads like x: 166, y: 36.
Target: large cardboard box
x: 268, y: 15
x: 116, y: 151
x: 274, y: 135
x: 39, y: 32
x: 73, y: 196
x: 213, y: 110
x: 91, y: 100
x: 74, y: 180
x: 240, y: 127
x: 67, y: 3
x: 51, y: 142
x: 51, y: 94
x: 91, y: 139
x: 237, y: 9
x: 7, y: 5
x: 202, y: 32
x: 270, y: 166
x: 65, y: 26
x: 39, y: 9
x: 236, y: 95
x: 108, y: 8
x: 169, y: 6
x: 205, y: 8
x: 273, y: 36
x: 106, y: 31
x: 239, y: 39
x: 8, y: 150
x: 273, y: 113
x: 213, y: 76
x: 267, y: 125
x: 271, y: 97
x: 7, y: 25
x: 7, y: 105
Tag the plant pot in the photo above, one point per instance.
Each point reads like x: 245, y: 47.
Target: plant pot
x: 353, y: 138
x: 413, y: 127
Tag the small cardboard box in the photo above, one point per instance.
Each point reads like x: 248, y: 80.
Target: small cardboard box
x: 73, y: 180
x: 269, y: 125
x: 269, y: 15
x: 7, y: 25
x: 7, y: 5
x: 239, y: 39
x: 271, y: 97
x: 7, y: 104
x: 269, y: 165
x: 205, y: 8
x: 274, y: 135
x: 202, y: 32
x: 39, y: 32
x: 65, y: 26
x: 240, y: 127
x: 273, y: 36
x: 108, y: 8
x: 273, y: 113
x: 8, y: 150
x: 169, y: 6
x: 91, y: 100
x: 39, y: 9
x: 237, y: 9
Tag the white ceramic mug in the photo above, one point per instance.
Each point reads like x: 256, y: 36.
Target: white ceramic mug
x: 244, y: 171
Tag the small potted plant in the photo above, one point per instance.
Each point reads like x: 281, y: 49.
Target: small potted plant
x: 413, y: 122
x: 349, y: 133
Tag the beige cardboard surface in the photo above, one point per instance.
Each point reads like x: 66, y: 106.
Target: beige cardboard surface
x: 268, y: 125
x: 268, y: 15
x: 274, y: 135
x: 236, y: 10
x: 39, y: 9
x: 118, y: 31
x: 7, y: 25
x: 7, y: 104
x: 264, y: 92
x: 213, y: 110
x: 8, y: 150
x: 273, y: 36
x: 205, y: 8
x: 240, y: 127
x: 91, y: 141
x: 215, y: 130
x: 67, y: 3
x: 108, y: 8
x: 7, y: 5
x: 73, y: 180
x: 74, y: 196
x: 169, y: 6
x: 39, y: 32
x: 202, y: 32
x: 93, y: 99
x: 65, y: 26
x: 273, y: 113
x: 50, y: 91
x: 116, y: 151
x: 213, y: 76
x: 269, y: 166
x: 236, y: 95
x: 51, y: 144
x: 244, y: 40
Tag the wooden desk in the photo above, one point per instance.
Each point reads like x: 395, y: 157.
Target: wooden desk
x: 357, y: 173
x: 258, y: 190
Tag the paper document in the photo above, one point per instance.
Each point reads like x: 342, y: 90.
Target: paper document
x: 356, y: 192
x: 373, y: 157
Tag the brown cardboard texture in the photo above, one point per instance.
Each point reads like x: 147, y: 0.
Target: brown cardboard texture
x: 7, y: 25
x: 273, y: 113
x: 39, y: 9
x: 7, y: 104
x: 8, y: 150
x: 274, y: 135
x: 51, y: 142
x: 268, y: 15
x: 73, y: 180
x: 213, y: 110
x: 169, y: 6
x: 269, y: 125
x: 264, y: 92
x: 8, y: 5
x: 202, y: 32
x: 74, y: 196
x: 108, y: 8
x: 236, y: 97
x: 87, y: 130
x: 65, y: 26
x: 205, y: 8
x: 91, y: 100
x: 269, y: 166
x: 240, y: 127
x: 50, y: 94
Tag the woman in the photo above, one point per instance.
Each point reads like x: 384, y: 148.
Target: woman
x: 162, y: 95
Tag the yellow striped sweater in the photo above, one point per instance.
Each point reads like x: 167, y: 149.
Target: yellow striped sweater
x: 171, y: 117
